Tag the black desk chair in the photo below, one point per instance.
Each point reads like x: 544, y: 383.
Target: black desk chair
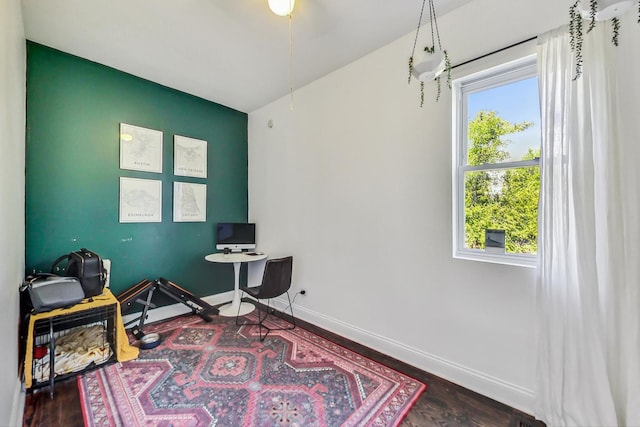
x: 276, y: 281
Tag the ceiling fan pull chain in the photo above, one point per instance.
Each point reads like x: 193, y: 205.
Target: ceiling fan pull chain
x: 291, y: 61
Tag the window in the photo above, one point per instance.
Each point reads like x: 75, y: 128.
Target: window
x: 496, y: 179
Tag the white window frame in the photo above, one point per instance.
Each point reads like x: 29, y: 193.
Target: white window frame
x: 461, y: 88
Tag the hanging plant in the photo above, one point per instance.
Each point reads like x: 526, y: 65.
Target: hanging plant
x: 611, y: 13
x: 435, y: 62
x: 447, y: 68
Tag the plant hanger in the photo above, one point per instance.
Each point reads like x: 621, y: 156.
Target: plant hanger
x: 435, y: 61
x: 598, y: 10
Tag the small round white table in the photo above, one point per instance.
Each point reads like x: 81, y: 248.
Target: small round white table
x: 237, y: 259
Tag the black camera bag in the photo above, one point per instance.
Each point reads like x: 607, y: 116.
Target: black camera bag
x: 87, y: 266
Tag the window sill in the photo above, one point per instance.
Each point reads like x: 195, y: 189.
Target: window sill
x: 529, y: 261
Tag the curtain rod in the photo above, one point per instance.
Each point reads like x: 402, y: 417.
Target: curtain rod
x: 494, y: 52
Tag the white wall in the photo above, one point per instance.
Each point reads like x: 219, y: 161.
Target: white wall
x: 12, y: 128
x: 356, y: 184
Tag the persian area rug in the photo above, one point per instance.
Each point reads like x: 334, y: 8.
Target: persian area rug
x: 220, y: 374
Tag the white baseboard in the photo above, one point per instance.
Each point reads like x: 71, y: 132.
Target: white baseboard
x: 487, y: 385
x: 495, y: 388
x: 17, y: 409
x: 168, y: 311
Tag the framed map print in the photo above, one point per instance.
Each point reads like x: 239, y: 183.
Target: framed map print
x: 140, y: 200
x: 189, y: 157
x: 189, y: 202
x: 140, y: 149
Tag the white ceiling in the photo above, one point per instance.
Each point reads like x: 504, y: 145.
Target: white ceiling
x: 233, y: 52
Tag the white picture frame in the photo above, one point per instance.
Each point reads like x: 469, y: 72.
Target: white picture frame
x: 140, y: 148
x: 140, y: 200
x: 189, y: 202
x: 189, y: 157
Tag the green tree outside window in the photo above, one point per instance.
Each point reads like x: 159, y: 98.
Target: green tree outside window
x: 500, y: 198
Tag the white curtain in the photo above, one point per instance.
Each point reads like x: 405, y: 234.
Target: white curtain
x: 588, y: 327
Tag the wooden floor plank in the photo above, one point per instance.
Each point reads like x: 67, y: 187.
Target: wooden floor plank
x: 442, y: 404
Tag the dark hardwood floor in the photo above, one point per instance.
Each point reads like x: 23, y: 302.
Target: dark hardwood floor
x: 442, y: 404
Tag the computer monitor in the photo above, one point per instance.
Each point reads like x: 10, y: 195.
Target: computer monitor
x: 235, y: 236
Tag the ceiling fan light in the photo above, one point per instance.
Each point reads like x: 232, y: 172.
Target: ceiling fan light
x: 281, y: 7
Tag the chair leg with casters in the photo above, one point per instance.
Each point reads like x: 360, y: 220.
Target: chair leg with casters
x: 260, y: 324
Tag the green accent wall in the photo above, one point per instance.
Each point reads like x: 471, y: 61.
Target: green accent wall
x: 74, y: 111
